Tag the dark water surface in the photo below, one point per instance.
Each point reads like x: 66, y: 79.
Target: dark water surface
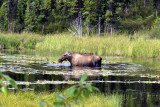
x: 137, y: 79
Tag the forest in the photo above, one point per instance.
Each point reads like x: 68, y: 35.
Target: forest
x: 78, y: 16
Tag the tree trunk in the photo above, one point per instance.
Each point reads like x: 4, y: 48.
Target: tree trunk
x: 99, y: 27
x: 21, y: 28
x: 144, y: 3
x: 92, y: 31
x: 14, y: 25
x: 107, y: 29
x: 88, y: 24
x: 43, y: 14
x: 104, y: 29
x: 28, y: 28
x: 15, y: 14
x: 111, y: 30
x: 80, y: 24
x: 135, y: 4
x: 156, y: 12
x: 43, y: 28
x: 8, y: 15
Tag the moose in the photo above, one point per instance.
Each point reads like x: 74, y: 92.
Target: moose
x: 78, y: 59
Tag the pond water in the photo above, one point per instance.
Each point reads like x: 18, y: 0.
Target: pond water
x: 137, y: 79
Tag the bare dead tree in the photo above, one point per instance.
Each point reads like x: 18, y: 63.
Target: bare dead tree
x: 144, y: 3
x: 80, y: 24
x: 112, y: 29
x: 76, y: 26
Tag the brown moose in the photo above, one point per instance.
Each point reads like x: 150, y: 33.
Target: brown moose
x: 77, y: 59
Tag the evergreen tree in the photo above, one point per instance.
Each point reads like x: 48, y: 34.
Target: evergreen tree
x: 3, y: 16
x: 20, y: 15
x: 30, y: 17
x: 89, y: 13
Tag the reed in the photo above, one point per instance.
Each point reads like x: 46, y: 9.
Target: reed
x: 32, y: 99
x: 101, y: 100
x: 138, y: 46
x: 19, y: 41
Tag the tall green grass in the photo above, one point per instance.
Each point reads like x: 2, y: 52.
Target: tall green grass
x: 106, y: 45
x: 101, y: 100
x: 19, y: 41
x: 32, y: 99
x: 138, y: 45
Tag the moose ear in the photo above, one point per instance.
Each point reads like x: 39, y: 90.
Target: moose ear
x: 68, y: 53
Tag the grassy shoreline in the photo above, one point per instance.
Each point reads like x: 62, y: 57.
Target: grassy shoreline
x: 32, y: 99
x: 121, y: 45
x: 115, y: 45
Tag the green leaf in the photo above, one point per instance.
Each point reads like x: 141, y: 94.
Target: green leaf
x: 4, y: 89
x: 95, y: 89
x: 58, y: 104
x: 42, y: 103
x: 1, y: 82
x: 13, y: 83
x: 6, y: 77
x: 70, y: 91
x: 60, y: 97
x: 86, y: 93
x: 80, y: 99
x: 76, y: 92
x: 83, y: 78
x: 89, y: 87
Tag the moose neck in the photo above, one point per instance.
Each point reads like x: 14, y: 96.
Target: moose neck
x: 69, y: 59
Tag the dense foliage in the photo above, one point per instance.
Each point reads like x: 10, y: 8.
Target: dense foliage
x: 75, y: 94
x: 94, y: 16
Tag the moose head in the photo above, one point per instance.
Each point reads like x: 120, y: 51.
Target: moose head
x: 66, y: 56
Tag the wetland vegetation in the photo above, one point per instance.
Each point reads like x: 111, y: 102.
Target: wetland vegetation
x: 30, y: 98
x: 114, y: 45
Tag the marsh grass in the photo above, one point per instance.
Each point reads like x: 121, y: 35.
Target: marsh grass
x: 25, y: 99
x: 103, y: 101
x: 136, y: 45
x: 32, y: 99
x: 19, y: 41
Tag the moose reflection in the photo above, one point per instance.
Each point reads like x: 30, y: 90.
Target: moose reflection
x: 77, y: 59
x: 77, y: 75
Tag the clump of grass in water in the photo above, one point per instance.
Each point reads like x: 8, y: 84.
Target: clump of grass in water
x: 107, y: 45
x: 101, y: 100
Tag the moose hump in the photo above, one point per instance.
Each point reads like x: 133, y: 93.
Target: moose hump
x: 78, y: 59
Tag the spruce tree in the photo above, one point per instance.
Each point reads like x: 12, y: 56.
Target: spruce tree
x: 4, y: 16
